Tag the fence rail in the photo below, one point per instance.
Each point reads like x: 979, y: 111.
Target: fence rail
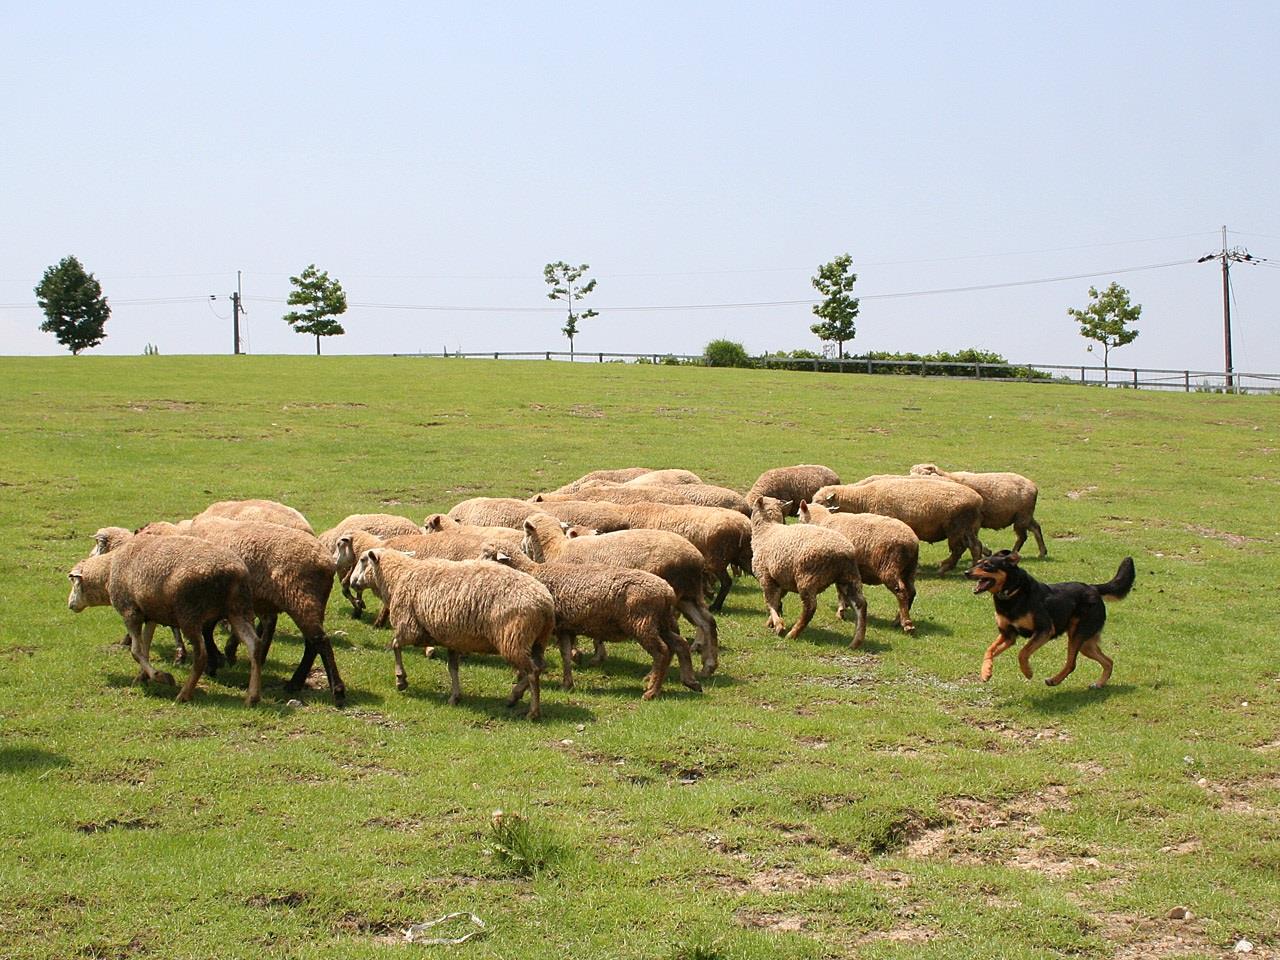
x: 1140, y: 378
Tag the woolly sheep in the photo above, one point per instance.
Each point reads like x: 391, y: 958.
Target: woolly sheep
x: 666, y: 555
x: 792, y: 484
x: 619, y: 493
x: 267, y: 511
x: 291, y: 573
x: 627, y: 474
x: 804, y: 560
x: 378, y: 524
x: 723, y: 537
x: 888, y: 551
x: 1008, y: 499
x: 934, y: 509
x: 177, y: 581
x: 608, y: 603
x: 469, y: 606
x: 494, y: 511
x: 664, y: 478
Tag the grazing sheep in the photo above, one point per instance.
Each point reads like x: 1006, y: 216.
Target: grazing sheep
x: 804, y: 560
x: 509, y: 538
x: 618, y: 493
x: 723, y: 537
x: 108, y: 539
x: 291, y: 573
x: 888, y: 551
x: 710, y: 495
x: 469, y: 606
x: 177, y: 581
x: 792, y: 484
x: 934, y: 509
x: 664, y: 478
x: 600, y: 515
x: 608, y: 603
x: 163, y: 528
x: 380, y: 525
x: 494, y: 511
x: 267, y: 511
x: 626, y: 475
x: 666, y: 555
x: 1008, y: 499
x: 346, y: 550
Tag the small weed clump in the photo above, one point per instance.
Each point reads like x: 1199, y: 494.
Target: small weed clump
x: 519, y: 846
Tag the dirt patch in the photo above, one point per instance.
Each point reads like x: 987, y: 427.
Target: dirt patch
x: 1135, y: 937
x: 375, y: 718
x: 146, y: 406
x: 906, y: 934
x: 1243, y: 796
x: 586, y: 410
x: 1231, y: 539
x: 1022, y: 735
x: 289, y: 898
x: 115, y: 823
x: 323, y: 406
x: 779, y: 922
x: 402, y: 824
x: 16, y: 651
x: 382, y: 931
x: 1083, y: 491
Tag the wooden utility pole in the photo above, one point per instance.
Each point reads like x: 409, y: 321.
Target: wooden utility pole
x: 235, y: 315
x: 1227, y: 255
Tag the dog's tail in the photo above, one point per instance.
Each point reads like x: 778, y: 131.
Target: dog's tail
x: 1119, y: 586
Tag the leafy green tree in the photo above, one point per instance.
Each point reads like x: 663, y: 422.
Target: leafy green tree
x: 726, y: 353
x: 322, y: 298
x: 838, y: 310
x: 1106, y: 320
x: 72, y: 301
x: 561, y: 278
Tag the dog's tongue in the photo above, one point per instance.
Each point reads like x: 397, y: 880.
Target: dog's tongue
x: 982, y: 584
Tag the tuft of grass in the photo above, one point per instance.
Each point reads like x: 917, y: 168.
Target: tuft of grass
x: 520, y: 846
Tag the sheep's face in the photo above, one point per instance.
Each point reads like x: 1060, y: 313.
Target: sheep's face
x: 770, y: 510
x: 438, y: 522
x: 924, y: 470
x: 344, y: 555
x: 77, y: 601
x: 362, y: 577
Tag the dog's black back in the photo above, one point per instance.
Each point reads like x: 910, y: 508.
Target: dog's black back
x: 1029, y: 606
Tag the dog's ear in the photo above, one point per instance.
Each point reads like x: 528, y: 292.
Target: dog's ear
x: 1012, y: 556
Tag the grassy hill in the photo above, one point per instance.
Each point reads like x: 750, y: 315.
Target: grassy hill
x: 813, y: 802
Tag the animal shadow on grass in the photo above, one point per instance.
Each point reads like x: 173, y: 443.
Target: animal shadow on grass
x: 924, y: 628
x: 824, y: 637
x: 495, y: 708
x: 1064, y: 700
x: 23, y: 759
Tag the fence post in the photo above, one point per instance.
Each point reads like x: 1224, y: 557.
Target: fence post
x: 655, y: 359
x: 1186, y: 381
x: 1135, y: 378
x: 548, y: 354
x: 601, y: 357
x: 922, y: 370
x: 495, y: 354
x: 869, y: 363
x: 815, y: 366
x: 977, y: 370
x: 1082, y: 375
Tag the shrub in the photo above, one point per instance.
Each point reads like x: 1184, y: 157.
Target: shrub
x: 519, y: 846
x: 726, y: 353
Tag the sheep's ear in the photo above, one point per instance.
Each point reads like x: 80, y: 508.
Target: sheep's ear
x: 833, y: 507
x: 529, y: 527
x: 501, y: 557
x: 786, y: 504
x: 565, y: 525
x: 538, y: 498
x: 375, y: 555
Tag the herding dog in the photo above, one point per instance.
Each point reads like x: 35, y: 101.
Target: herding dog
x: 1028, y: 608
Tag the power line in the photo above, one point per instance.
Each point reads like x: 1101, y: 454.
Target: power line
x: 116, y: 303
x: 750, y: 304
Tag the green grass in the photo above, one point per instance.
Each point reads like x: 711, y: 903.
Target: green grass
x: 814, y: 802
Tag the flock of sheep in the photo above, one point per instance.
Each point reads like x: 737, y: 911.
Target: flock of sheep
x: 614, y: 555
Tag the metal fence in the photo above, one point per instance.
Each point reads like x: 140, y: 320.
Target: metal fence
x: 1139, y: 378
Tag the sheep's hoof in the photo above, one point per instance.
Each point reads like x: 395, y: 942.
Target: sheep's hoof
x: 402, y: 683
x: 534, y: 715
x: 356, y: 612
x: 339, y: 696
x: 908, y: 628
x: 648, y: 695
x: 429, y: 652
x: 250, y: 700
x: 165, y: 678
x: 182, y: 698
x: 693, y: 685
x: 1096, y: 685
x: 566, y: 685
x: 293, y: 686
x: 180, y: 657
x: 1051, y: 682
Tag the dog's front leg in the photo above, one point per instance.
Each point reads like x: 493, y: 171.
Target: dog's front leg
x: 1003, y: 642
x: 1037, y: 641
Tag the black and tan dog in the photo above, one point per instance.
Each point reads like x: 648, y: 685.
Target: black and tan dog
x: 1040, y: 611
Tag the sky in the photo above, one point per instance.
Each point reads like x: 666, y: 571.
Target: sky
x: 431, y: 155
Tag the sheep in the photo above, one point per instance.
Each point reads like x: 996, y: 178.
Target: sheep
x: 888, y: 551
x: 607, y: 603
x: 664, y: 478
x: 627, y: 474
x: 723, y: 537
x: 600, y: 515
x: 618, y: 493
x: 1008, y: 499
x: 710, y: 495
x: 267, y: 511
x: 804, y: 560
x: 508, y: 537
x: 469, y: 606
x: 666, y: 555
x: 378, y: 524
x: 177, y: 581
x: 792, y: 484
x: 107, y: 539
x: 289, y: 572
x: 494, y: 511
x: 934, y: 509
x: 346, y: 550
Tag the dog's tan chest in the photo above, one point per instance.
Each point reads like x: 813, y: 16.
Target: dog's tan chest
x: 1025, y: 624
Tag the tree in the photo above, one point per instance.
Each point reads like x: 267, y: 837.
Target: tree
x: 835, y: 282
x: 561, y: 278
x: 1106, y: 319
x: 323, y: 299
x: 72, y: 301
x: 726, y: 353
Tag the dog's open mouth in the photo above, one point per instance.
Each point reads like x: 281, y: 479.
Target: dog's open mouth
x: 983, y: 583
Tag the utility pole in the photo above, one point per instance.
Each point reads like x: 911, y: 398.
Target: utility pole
x: 1228, y: 255
x: 235, y: 315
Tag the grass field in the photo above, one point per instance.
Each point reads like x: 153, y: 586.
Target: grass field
x: 813, y: 802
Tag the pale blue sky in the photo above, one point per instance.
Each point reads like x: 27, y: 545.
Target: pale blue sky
x: 691, y: 153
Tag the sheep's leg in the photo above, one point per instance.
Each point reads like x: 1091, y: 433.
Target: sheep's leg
x: 383, y: 617
x: 455, y: 688
x: 808, y: 606
x: 303, y: 670
x: 851, y: 595
x: 566, y: 656
x: 535, y: 682
x: 1031, y: 646
x: 1092, y: 649
x: 1073, y: 649
x: 903, y: 593
x: 726, y: 583
x: 198, y: 662
x: 773, y: 595
x: 402, y: 679
x: 356, y: 599
x: 1021, y: 531
x: 661, y: 653
x: 267, y: 633
x: 705, y: 626
x: 243, y: 630
x: 671, y: 636
x: 1039, y: 535
x: 958, y: 542
x: 179, y: 647
x: 598, y: 653
x: 336, y: 686
x: 140, y: 646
